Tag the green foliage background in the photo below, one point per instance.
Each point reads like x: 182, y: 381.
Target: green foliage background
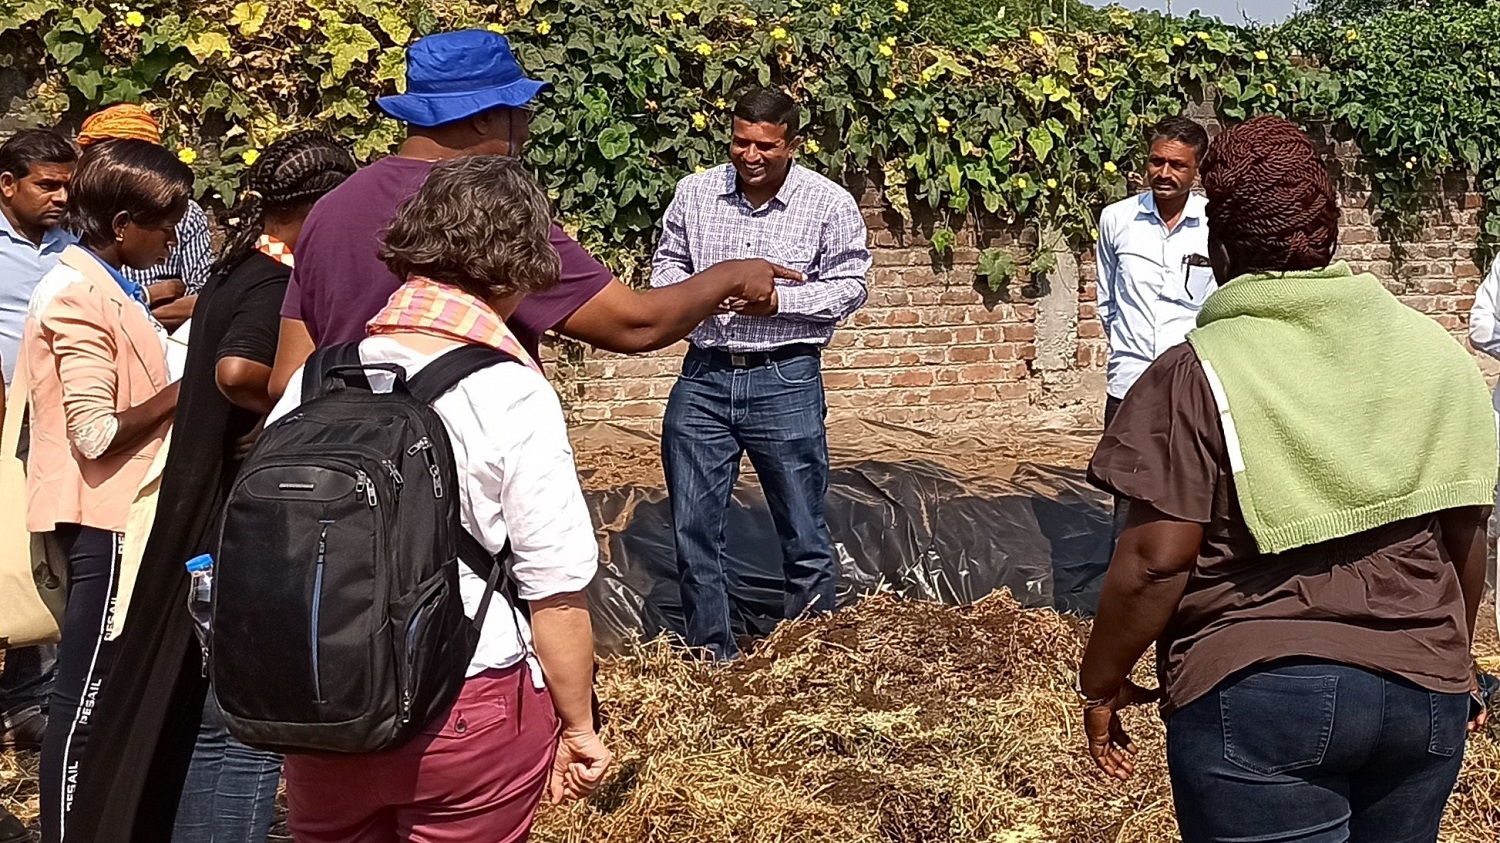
x: 1027, y: 110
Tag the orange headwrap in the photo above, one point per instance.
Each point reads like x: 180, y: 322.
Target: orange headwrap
x: 119, y: 122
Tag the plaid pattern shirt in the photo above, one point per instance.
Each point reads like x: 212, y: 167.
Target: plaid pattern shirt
x: 812, y: 225
x: 189, y: 259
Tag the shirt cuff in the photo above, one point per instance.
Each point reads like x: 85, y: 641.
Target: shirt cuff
x: 93, y: 437
x: 797, y: 300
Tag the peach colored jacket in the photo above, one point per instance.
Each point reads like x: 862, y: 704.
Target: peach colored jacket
x: 89, y: 352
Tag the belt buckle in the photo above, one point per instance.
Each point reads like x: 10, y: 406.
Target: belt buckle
x: 738, y: 361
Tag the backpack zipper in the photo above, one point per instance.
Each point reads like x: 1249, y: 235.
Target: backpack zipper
x: 317, y: 604
x: 424, y: 447
x: 363, y: 486
x: 396, y: 479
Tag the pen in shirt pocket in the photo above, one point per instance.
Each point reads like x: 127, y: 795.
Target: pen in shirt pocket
x: 1189, y: 263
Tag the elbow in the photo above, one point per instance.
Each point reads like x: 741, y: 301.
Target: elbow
x: 637, y: 338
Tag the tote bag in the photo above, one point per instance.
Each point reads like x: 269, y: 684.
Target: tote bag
x: 32, y: 591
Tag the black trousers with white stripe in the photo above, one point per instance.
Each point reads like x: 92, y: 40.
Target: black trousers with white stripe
x: 83, y: 663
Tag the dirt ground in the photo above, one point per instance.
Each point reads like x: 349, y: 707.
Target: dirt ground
x: 895, y: 721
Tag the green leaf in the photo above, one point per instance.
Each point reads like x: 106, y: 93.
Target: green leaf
x: 1040, y: 141
x: 248, y: 18
x: 393, y: 23
x: 62, y: 47
x: 942, y: 240
x: 348, y: 44
x: 996, y: 267
x: 89, y: 18
x: 614, y: 142
x: 205, y: 45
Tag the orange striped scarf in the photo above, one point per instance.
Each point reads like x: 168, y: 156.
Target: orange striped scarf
x: 424, y: 306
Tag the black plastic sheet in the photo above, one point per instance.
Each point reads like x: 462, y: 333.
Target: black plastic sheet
x: 916, y: 527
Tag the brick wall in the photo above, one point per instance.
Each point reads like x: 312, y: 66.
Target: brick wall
x: 933, y: 348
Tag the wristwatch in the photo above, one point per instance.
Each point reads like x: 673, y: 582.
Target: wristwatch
x: 1092, y: 702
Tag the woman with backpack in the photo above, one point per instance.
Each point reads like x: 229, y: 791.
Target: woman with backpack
x: 162, y: 733
x: 101, y: 406
x: 470, y: 245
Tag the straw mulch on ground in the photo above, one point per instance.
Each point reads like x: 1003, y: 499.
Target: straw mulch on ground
x: 892, y: 721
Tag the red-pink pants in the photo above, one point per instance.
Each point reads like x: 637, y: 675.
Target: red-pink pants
x: 474, y: 777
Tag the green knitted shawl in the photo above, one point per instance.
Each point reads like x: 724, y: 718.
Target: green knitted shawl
x: 1342, y: 409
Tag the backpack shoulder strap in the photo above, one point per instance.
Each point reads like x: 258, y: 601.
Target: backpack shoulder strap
x: 444, y: 373
x: 323, y: 361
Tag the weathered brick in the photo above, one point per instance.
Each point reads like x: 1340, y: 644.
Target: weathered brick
x: 1090, y: 330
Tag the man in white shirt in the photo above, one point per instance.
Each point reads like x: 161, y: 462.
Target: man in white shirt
x: 1484, y: 335
x: 1153, y: 262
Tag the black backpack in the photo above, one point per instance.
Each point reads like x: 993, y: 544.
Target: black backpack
x: 337, y: 620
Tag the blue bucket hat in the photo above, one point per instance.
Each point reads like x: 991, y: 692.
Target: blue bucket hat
x: 453, y: 75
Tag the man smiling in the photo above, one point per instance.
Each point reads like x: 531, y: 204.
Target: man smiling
x: 752, y: 381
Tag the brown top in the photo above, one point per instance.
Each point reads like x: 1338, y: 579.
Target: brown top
x: 1386, y: 600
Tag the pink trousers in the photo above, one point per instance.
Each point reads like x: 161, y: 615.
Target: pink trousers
x: 475, y: 776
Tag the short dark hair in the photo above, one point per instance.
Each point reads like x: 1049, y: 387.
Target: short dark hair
x: 135, y: 176
x: 480, y: 223
x: 1182, y: 130
x: 34, y: 146
x: 768, y: 105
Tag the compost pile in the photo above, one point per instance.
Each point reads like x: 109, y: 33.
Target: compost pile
x: 898, y: 721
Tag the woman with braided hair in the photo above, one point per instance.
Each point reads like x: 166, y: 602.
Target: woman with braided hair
x: 167, y: 769
x: 1310, y: 477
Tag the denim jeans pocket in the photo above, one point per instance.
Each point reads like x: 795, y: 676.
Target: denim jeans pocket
x: 1276, y: 723
x: 798, y: 371
x: 1450, y: 720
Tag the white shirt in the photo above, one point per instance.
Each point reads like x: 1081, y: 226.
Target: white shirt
x: 1484, y: 319
x: 1149, y: 296
x: 517, y: 480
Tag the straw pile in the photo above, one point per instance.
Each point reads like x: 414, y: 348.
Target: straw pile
x: 892, y: 721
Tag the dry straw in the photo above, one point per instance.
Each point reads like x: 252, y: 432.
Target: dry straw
x: 892, y: 721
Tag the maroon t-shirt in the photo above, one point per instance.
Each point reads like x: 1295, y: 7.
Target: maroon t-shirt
x: 339, y: 283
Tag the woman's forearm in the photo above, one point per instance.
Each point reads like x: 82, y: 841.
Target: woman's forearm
x: 143, y: 419
x: 1465, y: 534
x: 563, y: 634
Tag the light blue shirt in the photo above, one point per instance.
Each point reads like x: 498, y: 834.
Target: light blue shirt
x: 1149, y: 290
x: 22, y: 265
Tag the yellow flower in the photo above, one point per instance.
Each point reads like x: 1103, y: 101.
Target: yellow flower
x: 1094, y: 233
x: 1021, y: 182
x: 1410, y: 165
x: 1110, y: 167
x: 250, y: 156
x: 187, y: 155
x: 943, y: 125
x: 750, y: 22
x: 927, y: 74
x: 812, y: 147
x: 835, y: 10
x: 1270, y: 89
x: 1038, y: 38
x: 1178, y: 42
x: 704, y: 49
x: 676, y: 17
x: 1202, y: 36
x: 778, y: 34
x: 544, y: 27
x: 660, y: 50
x: 1096, y: 72
x: 888, y: 94
x: 885, y: 50
x: 497, y: 28
x: 1351, y: 36
x: 134, y: 18
x: 699, y: 168
x: 700, y: 121
x: 720, y: 104
x: 1262, y: 55
x: 902, y: 7
x: 890, y: 41
x: 1051, y: 184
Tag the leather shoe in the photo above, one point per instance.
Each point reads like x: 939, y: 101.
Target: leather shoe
x: 23, y: 730
x: 12, y: 830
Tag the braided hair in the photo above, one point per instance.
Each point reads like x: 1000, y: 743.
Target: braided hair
x: 1270, y: 200
x: 292, y: 173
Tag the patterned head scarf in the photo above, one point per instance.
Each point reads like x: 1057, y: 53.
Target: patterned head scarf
x: 119, y: 122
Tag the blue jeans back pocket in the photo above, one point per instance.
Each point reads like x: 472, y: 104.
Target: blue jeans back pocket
x: 1450, y: 723
x: 1275, y: 723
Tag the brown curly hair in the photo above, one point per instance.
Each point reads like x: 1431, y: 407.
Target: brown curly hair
x: 480, y: 223
x: 1270, y: 200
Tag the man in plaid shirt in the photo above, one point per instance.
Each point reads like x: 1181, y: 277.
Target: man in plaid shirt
x: 752, y: 381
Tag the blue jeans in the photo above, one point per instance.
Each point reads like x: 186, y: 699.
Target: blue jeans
x: 1315, y: 752
x: 771, y: 409
x: 230, y: 792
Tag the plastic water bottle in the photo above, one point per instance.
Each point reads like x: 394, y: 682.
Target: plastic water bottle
x: 200, y: 600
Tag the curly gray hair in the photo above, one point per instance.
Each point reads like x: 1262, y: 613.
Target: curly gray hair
x: 480, y: 223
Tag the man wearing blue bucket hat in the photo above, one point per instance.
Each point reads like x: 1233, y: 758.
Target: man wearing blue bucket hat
x: 466, y: 95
